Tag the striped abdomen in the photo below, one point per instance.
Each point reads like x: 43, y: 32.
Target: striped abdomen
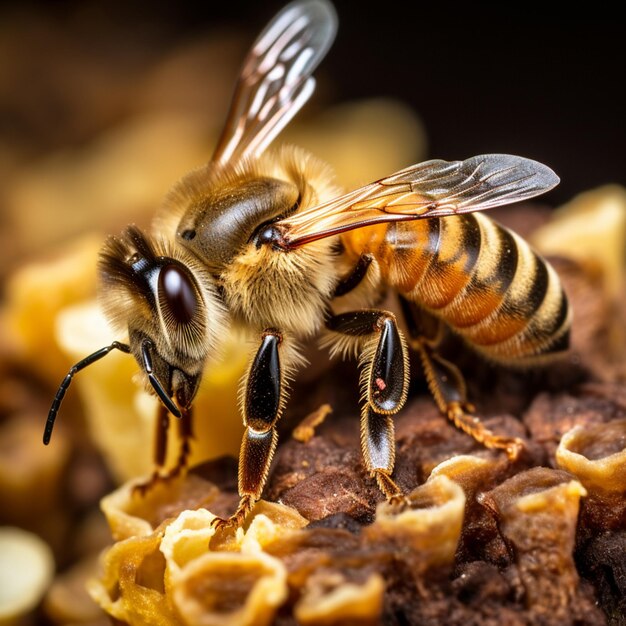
x: 482, y: 280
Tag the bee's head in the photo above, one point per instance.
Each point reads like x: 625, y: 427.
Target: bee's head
x: 170, y: 306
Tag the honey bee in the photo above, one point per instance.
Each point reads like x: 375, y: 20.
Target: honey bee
x: 261, y: 239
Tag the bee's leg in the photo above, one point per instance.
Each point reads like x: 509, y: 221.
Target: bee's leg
x: 160, y: 450
x: 160, y: 437
x: 264, y: 398
x: 446, y: 383
x: 447, y: 386
x: 185, y: 433
x: 384, y: 384
x: 355, y: 277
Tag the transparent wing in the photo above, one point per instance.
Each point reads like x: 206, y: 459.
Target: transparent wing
x: 431, y: 189
x: 275, y: 80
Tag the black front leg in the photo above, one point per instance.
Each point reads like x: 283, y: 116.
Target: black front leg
x: 265, y: 396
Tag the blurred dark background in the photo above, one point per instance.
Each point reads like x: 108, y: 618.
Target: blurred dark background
x: 520, y: 83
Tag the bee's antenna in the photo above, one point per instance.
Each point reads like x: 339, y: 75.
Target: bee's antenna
x: 58, y: 398
x: 154, y: 381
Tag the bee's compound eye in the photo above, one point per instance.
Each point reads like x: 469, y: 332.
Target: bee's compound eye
x: 176, y: 290
x: 268, y: 234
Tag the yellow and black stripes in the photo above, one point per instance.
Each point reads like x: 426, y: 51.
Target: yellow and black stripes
x: 482, y: 280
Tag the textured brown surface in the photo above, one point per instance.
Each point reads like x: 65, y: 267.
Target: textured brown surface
x: 490, y: 582
x: 508, y: 568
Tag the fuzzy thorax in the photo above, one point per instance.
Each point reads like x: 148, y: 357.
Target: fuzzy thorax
x: 288, y: 291
x: 263, y: 287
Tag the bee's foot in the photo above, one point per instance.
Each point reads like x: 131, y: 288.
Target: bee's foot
x: 158, y: 477
x: 513, y: 447
x: 221, y: 523
x: 237, y: 518
x: 141, y: 489
x: 399, y: 501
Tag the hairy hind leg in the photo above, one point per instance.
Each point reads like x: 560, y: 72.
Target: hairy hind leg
x: 446, y: 382
x: 384, y: 386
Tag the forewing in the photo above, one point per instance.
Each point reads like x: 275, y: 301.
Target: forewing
x: 276, y: 80
x: 431, y: 189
